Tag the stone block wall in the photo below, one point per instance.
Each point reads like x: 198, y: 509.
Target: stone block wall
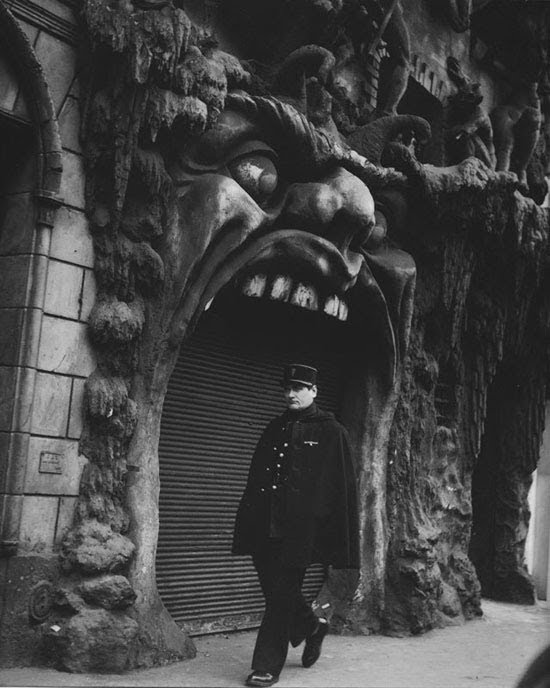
x: 49, y: 418
x: 46, y: 293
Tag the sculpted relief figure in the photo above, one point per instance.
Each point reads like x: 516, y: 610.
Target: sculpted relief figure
x: 393, y: 29
x: 469, y: 130
x: 523, y: 63
x: 516, y: 126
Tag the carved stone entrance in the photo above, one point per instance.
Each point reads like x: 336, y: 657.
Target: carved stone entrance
x: 224, y: 389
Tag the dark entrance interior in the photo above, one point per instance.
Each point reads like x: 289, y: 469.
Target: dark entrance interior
x: 224, y: 389
x: 500, y: 483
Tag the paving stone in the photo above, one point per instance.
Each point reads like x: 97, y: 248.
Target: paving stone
x: 48, y: 454
x: 65, y: 348
x: 50, y: 412
x: 71, y: 239
x: 63, y: 289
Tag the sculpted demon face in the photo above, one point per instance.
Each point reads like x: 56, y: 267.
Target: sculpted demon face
x: 267, y: 202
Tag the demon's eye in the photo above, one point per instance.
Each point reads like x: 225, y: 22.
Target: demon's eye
x: 256, y: 173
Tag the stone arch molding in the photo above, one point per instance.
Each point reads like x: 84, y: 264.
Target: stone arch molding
x: 47, y: 156
x: 20, y: 54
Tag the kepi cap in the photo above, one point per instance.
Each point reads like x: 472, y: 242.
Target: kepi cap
x: 303, y: 374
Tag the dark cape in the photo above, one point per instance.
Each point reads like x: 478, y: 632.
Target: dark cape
x: 320, y: 522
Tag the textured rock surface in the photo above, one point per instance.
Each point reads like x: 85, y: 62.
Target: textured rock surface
x: 109, y: 592
x: 95, y: 640
x: 93, y: 548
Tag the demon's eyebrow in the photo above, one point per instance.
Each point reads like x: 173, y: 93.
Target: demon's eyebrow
x: 283, y: 126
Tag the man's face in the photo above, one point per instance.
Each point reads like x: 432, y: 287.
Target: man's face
x: 299, y: 396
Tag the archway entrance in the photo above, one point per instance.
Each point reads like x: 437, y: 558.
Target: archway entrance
x: 224, y: 389
x: 500, y: 483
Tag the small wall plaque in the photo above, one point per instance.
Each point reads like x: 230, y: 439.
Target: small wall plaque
x: 50, y: 463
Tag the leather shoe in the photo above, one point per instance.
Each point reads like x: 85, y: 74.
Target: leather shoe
x: 261, y: 678
x: 312, y: 650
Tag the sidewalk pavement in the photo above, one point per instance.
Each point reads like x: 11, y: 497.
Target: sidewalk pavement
x: 490, y: 652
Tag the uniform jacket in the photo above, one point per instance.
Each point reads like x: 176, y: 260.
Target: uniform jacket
x: 321, y: 521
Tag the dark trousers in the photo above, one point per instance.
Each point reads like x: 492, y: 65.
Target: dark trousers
x: 287, y: 618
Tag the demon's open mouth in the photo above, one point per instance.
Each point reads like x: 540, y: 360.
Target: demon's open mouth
x: 302, y: 270
x: 261, y: 224
x: 289, y: 266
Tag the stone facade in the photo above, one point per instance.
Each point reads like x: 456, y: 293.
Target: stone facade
x: 111, y: 211
x: 47, y: 289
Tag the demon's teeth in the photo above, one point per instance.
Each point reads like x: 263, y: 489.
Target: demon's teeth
x: 281, y: 288
x: 305, y: 296
x: 332, y: 304
x: 343, y: 311
x: 284, y: 288
x: 255, y: 285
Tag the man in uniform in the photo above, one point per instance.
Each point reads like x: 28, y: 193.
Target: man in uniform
x: 299, y: 507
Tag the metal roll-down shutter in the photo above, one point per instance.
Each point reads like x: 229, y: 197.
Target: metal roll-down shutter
x: 223, y: 391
